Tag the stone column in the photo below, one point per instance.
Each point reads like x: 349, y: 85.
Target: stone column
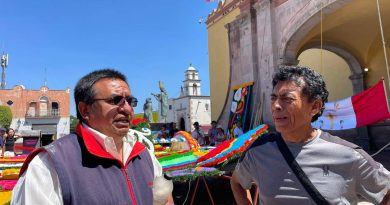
x: 243, y: 57
x: 357, y: 82
x: 267, y: 61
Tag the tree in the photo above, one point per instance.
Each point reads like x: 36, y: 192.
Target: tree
x: 5, y: 116
x: 73, y: 123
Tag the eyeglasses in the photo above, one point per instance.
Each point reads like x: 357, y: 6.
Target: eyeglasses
x: 120, y: 100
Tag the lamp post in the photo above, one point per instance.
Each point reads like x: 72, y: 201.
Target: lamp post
x: 4, y: 64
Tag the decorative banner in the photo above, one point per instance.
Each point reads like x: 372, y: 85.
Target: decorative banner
x: 178, y: 161
x: 239, y: 107
x: 232, y: 147
x: 221, y: 153
x: 367, y: 107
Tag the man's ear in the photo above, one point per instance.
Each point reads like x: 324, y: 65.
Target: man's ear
x: 84, y: 110
x: 316, y: 107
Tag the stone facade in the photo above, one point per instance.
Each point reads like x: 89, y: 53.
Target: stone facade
x: 268, y: 33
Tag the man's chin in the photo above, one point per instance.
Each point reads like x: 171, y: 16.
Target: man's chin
x: 122, y: 130
x: 280, y: 128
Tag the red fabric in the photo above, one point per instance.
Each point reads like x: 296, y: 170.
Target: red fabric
x: 95, y: 148
x: 371, y: 105
x: 215, y: 151
x: 23, y: 148
x: 138, y: 120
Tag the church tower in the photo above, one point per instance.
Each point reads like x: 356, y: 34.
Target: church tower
x: 191, y: 84
x: 191, y: 106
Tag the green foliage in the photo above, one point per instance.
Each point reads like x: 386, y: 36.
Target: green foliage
x: 73, y: 123
x: 5, y: 116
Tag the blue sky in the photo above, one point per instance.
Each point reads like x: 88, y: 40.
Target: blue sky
x: 146, y: 40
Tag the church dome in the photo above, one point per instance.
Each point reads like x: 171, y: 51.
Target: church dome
x: 191, y: 68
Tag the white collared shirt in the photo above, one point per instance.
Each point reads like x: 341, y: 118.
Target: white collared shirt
x: 39, y: 184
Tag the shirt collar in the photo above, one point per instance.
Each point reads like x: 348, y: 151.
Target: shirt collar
x: 96, y: 142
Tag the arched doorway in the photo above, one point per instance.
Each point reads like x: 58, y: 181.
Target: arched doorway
x: 335, y: 71
x: 182, y: 124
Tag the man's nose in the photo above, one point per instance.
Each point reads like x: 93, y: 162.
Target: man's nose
x: 126, y: 107
x: 276, y: 105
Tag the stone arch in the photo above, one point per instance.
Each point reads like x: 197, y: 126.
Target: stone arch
x: 354, y: 65
x: 296, y: 30
x: 194, y: 89
x: 43, y: 106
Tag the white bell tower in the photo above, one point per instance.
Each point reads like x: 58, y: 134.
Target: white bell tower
x: 191, y: 84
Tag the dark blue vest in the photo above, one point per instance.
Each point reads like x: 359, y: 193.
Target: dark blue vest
x: 88, y: 179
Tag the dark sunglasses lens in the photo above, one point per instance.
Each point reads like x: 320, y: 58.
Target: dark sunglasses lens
x: 132, y: 101
x: 117, y: 99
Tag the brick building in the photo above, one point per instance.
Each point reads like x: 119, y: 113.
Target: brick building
x: 45, y: 110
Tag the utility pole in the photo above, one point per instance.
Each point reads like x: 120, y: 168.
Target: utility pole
x: 4, y: 64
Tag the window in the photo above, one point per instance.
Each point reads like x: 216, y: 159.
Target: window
x: 207, y: 106
x: 55, y: 109
x: 31, y: 109
x: 195, y: 89
x: 43, y: 105
x: 170, y: 107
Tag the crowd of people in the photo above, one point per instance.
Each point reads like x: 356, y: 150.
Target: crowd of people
x: 167, y: 131
x: 215, y: 135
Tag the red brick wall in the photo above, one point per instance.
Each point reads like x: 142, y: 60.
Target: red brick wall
x: 21, y: 99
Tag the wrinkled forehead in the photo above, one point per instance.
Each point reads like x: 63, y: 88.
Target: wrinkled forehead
x: 287, y: 86
x: 114, y: 85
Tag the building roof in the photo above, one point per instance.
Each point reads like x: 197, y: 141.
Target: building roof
x: 191, y: 68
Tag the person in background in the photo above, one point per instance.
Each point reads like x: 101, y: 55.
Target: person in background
x: 2, y: 136
x: 340, y: 171
x: 101, y: 163
x: 163, y: 132
x: 198, y: 134
x: 172, y: 129
x: 9, y: 142
x: 212, y: 132
x: 238, y: 130
x: 3, y: 132
x: 220, y: 137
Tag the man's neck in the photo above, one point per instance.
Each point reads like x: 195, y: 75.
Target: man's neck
x: 300, y: 136
x: 118, y: 141
x: 119, y: 145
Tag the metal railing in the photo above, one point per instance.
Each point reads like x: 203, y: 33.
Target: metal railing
x: 44, y: 114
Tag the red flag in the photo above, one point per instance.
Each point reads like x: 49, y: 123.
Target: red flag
x: 365, y: 108
x: 371, y: 105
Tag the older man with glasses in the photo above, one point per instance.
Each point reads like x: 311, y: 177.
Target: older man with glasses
x: 101, y: 163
